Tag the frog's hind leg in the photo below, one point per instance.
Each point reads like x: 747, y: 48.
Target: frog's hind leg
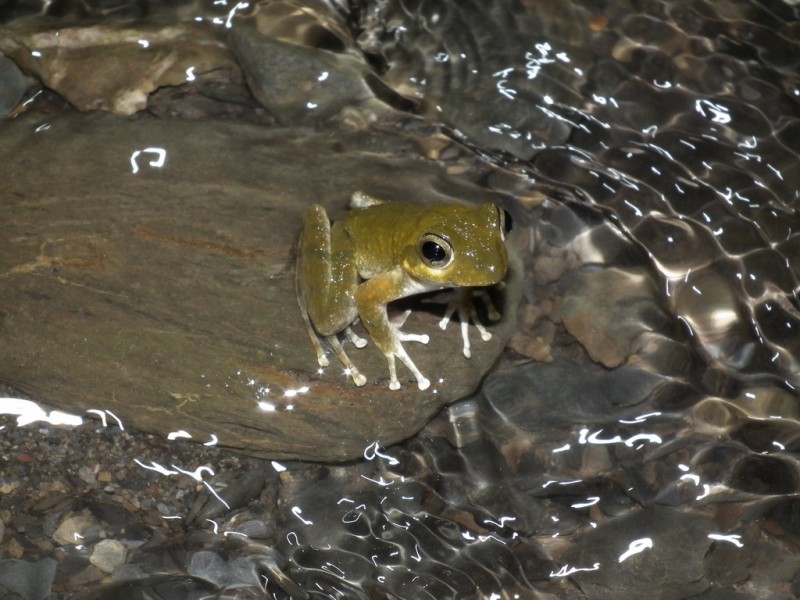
x: 325, y: 273
x: 322, y: 358
x: 349, y: 367
x: 336, y: 345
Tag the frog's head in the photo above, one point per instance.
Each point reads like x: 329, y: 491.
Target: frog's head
x: 459, y: 246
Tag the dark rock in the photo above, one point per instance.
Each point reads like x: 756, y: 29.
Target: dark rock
x: 167, y: 295
x: 159, y: 586
x: 300, y: 85
x: 671, y: 568
x: 549, y: 397
x: 12, y: 85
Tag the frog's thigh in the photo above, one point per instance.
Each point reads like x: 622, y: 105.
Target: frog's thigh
x: 328, y: 273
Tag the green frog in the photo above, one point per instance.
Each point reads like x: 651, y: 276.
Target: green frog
x: 382, y: 251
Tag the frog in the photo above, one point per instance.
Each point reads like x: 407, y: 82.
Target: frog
x: 381, y: 251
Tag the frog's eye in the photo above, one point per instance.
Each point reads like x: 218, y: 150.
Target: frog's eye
x: 435, y: 250
x: 506, y: 222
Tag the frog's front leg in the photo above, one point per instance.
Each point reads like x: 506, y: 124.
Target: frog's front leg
x: 372, y: 297
x: 326, y: 282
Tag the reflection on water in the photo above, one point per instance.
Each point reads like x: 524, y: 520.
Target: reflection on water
x: 664, y: 136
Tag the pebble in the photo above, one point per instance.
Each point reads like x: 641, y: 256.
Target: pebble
x: 71, y: 529
x: 86, y: 474
x: 108, y: 555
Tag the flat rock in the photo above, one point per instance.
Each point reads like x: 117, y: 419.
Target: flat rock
x: 111, y: 67
x: 147, y: 268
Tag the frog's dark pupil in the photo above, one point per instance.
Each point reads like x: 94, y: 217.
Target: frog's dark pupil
x: 433, y: 251
x: 508, y: 222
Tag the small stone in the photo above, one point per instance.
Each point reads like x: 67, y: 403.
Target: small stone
x: 108, y: 555
x: 104, y: 477
x: 8, y: 487
x: 71, y: 530
x: 86, y: 474
x: 14, y: 548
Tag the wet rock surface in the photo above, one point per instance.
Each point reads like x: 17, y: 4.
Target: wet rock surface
x: 156, y: 278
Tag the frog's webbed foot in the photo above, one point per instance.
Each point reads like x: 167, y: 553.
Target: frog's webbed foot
x: 461, y: 301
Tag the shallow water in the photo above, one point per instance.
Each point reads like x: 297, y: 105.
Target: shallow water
x: 663, y: 183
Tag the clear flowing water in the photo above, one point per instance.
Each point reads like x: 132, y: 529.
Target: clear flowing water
x: 655, y: 148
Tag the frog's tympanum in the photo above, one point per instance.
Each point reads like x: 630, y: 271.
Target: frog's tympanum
x: 382, y: 251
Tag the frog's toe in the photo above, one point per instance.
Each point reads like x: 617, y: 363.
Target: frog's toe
x: 359, y: 379
x: 394, y: 385
x: 424, y: 384
x: 354, y: 338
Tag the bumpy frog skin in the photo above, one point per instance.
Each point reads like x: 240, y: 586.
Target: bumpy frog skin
x: 382, y: 251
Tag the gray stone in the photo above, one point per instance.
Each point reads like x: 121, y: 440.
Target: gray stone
x: 108, y: 555
x: 31, y: 580
x: 304, y: 85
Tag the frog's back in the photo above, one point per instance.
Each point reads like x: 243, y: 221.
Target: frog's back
x: 380, y: 232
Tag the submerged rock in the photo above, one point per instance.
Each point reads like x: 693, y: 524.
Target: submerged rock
x: 608, y: 310
x: 30, y: 580
x: 149, y: 270
x: 298, y: 84
x: 12, y: 85
x: 657, y: 553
